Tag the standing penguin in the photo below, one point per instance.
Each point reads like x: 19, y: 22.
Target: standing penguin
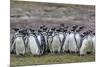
x: 66, y: 43
x: 78, y: 40
x: 44, y: 33
x: 33, y: 43
x: 78, y: 37
x: 87, y: 44
x: 41, y: 41
x: 26, y: 39
x: 19, y: 43
x: 49, y: 41
x: 93, y: 39
x: 13, y: 36
x: 72, y: 41
x: 56, y: 44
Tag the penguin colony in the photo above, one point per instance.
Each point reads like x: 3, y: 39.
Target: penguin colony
x: 54, y: 40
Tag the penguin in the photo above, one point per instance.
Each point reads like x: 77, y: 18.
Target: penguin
x: 33, y: 44
x: 12, y: 36
x: 19, y: 43
x: 65, y: 47
x: 41, y: 40
x: 78, y: 38
x: 78, y: 41
x: 94, y: 44
x: 45, y: 35
x: 87, y: 44
x: 49, y: 41
x: 72, y: 42
x: 56, y: 44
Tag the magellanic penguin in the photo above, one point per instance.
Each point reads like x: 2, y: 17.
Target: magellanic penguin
x: 94, y: 43
x: 78, y: 38
x: 19, y: 43
x: 87, y: 45
x: 56, y: 43
x: 49, y: 41
x: 65, y: 47
x: 41, y: 40
x: 62, y: 38
x: 72, y: 42
x: 33, y: 43
x: 45, y: 40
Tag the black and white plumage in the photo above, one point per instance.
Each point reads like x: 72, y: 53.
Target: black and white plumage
x: 18, y: 44
x: 56, y: 44
x: 41, y: 41
x: 54, y: 40
x: 94, y: 43
x: 65, y: 47
x: 87, y: 45
x: 72, y: 43
x: 78, y: 40
x: 34, y: 46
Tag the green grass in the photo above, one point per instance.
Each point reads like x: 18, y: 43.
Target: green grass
x: 49, y: 59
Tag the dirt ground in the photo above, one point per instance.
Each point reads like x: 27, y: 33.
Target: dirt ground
x: 33, y: 14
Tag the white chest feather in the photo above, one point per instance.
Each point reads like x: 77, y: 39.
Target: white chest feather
x: 20, y: 46
x: 39, y: 38
x: 72, y: 43
x: 87, y: 45
x: 61, y: 36
x: 78, y: 39
x: 33, y: 45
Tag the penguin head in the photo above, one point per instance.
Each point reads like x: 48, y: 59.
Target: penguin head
x: 85, y: 33
x: 33, y: 31
x: 65, y: 30
x: 42, y: 26
x: 73, y: 29
x: 45, y: 29
x: 58, y: 30
x: 93, y: 33
x: 24, y: 31
x: 74, y: 26
x: 29, y: 31
x: 53, y: 29
x: 15, y: 29
x: 77, y: 30
x: 39, y: 31
x: 81, y: 27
